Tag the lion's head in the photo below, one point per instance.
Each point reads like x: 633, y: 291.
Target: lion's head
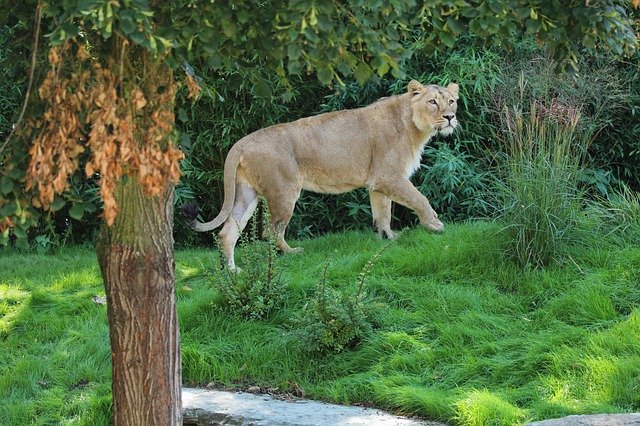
x: 434, y: 107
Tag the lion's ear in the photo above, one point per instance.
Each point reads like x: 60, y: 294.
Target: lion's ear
x: 453, y: 88
x: 414, y: 87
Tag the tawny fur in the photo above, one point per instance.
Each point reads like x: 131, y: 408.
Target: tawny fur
x: 377, y: 147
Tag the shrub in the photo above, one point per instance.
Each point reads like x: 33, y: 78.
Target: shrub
x: 256, y: 290
x: 336, y: 320
x: 541, y: 198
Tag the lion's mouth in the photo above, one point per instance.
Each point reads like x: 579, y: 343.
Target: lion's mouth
x: 447, y: 129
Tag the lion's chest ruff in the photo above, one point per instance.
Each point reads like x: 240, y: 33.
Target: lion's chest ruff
x: 414, y: 163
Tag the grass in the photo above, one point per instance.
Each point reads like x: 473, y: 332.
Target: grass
x: 540, y: 191
x: 461, y: 334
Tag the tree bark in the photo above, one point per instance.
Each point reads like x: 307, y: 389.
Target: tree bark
x: 137, y: 263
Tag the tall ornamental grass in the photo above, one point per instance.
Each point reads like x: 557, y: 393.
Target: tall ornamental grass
x: 541, y: 200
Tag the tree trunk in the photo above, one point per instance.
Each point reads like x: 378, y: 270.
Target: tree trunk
x: 137, y: 263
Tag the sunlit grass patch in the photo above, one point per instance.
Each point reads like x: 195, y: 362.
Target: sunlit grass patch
x: 481, y: 407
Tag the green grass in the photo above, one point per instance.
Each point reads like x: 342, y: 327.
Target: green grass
x: 540, y: 181
x: 461, y: 334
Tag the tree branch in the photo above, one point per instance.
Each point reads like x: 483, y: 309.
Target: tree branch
x: 34, y: 54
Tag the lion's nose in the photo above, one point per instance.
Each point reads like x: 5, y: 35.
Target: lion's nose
x: 449, y: 117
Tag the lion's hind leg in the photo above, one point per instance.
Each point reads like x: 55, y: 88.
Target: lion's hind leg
x: 244, y: 205
x: 381, y: 212
x: 281, y: 204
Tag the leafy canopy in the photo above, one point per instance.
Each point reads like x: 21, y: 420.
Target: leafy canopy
x: 336, y: 38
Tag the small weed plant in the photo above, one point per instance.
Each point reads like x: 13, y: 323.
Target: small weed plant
x: 254, y: 291
x: 540, y: 192
x: 337, y: 320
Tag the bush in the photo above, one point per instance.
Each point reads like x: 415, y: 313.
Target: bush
x: 256, y: 290
x: 539, y: 190
x: 333, y: 321
x: 337, y: 320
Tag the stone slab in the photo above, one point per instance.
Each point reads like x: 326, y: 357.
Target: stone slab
x: 214, y: 407
x: 593, y: 420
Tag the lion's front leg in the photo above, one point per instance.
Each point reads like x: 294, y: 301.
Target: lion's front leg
x: 381, y: 212
x: 402, y: 191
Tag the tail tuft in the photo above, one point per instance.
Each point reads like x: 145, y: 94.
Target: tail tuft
x: 190, y: 213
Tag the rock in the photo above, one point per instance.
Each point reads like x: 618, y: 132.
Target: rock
x: 213, y: 407
x: 593, y: 420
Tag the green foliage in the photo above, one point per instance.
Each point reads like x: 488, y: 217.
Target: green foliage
x: 256, y: 290
x: 539, y: 190
x: 333, y: 321
x: 606, y: 91
x: 458, y: 172
x: 561, y: 28
x: 337, y: 320
x: 455, y: 182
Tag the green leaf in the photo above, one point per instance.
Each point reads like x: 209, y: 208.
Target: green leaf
x: 261, y: 88
x: 20, y: 233
x: 294, y: 67
x: 76, y: 211
x: 6, y: 185
x: 228, y: 28
x: 363, y: 73
x: 325, y: 75
x: 153, y: 45
x: 589, y: 41
x: 85, y: 7
x: 454, y: 25
x: 127, y: 26
x: 17, y: 174
x: 57, y: 204
x: 70, y: 30
x: 7, y: 209
x: 182, y: 115
x: 137, y: 37
x: 22, y: 243
x: 185, y: 140
x: 89, y: 207
x: 447, y: 38
x: 383, y: 69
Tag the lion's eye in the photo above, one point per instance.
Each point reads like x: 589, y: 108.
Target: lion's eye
x: 432, y: 102
x: 451, y: 101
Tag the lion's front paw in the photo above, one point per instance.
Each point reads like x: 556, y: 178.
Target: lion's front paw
x: 294, y: 250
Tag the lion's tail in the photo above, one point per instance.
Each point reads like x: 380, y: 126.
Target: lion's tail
x: 190, y: 211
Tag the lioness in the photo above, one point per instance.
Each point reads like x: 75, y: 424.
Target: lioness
x: 377, y: 147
